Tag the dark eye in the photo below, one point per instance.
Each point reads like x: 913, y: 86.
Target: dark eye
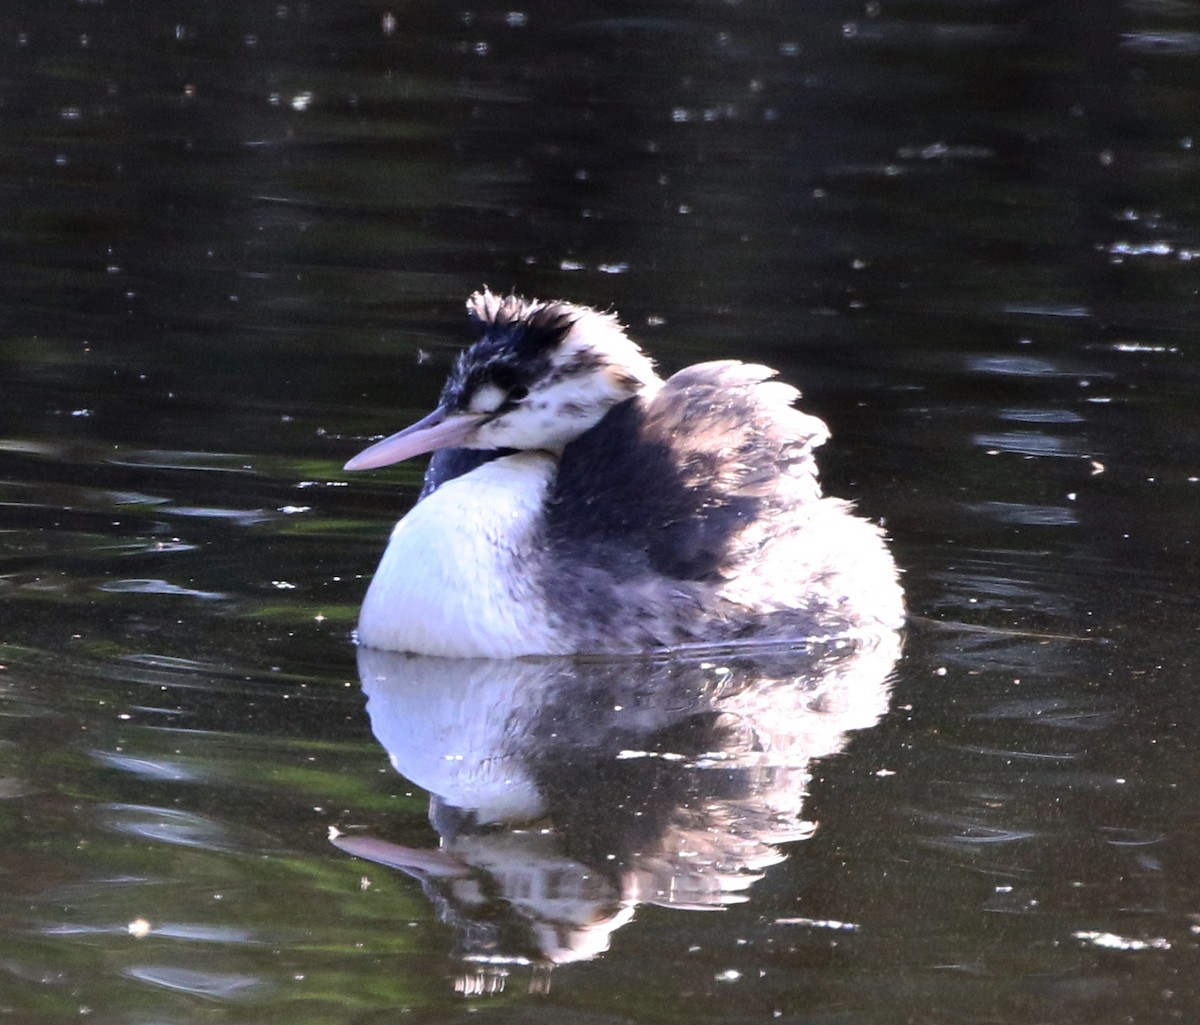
x: 518, y: 393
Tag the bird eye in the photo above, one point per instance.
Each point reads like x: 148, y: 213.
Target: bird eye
x: 518, y: 393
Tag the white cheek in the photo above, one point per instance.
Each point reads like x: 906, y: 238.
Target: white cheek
x: 530, y: 429
x: 551, y: 418
x: 486, y: 399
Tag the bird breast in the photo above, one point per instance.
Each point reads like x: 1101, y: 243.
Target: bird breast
x: 459, y: 576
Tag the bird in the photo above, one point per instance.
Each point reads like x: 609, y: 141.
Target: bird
x: 576, y: 503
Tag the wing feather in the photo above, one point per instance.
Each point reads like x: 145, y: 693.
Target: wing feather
x: 668, y: 485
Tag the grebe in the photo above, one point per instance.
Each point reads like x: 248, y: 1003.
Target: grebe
x: 577, y: 503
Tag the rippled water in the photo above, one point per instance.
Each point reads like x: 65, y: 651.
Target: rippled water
x: 236, y: 240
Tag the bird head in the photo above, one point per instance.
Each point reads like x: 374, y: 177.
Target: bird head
x: 538, y: 375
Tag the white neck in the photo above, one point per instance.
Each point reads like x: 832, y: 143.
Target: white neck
x: 455, y: 578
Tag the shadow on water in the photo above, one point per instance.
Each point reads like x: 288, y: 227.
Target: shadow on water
x: 567, y: 793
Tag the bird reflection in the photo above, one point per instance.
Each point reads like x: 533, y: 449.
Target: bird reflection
x: 567, y: 792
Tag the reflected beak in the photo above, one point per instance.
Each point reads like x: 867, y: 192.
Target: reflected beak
x: 438, y: 430
x: 421, y: 864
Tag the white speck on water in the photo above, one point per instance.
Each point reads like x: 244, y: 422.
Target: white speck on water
x: 1111, y: 941
x: 820, y: 923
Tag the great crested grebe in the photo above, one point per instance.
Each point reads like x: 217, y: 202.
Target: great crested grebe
x: 577, y: 503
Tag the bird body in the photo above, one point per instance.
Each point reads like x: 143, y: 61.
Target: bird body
x: 454, y: 579
x: 576, y: 503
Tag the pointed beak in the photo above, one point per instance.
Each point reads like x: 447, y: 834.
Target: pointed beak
x: 438, y: 430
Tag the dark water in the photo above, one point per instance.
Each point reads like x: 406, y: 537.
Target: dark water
x: 236, y: 239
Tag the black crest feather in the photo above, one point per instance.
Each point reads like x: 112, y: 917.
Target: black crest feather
x: 515, y: 338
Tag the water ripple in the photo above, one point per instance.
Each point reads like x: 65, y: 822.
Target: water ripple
x: 1171, y: 44
x: 147, y: 585
x: 183, y: 829
x: 1026, y: 514
x: 1031, y: 443
x: 148, y: 768
x: 171, y: 930
x: 215, y: 985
